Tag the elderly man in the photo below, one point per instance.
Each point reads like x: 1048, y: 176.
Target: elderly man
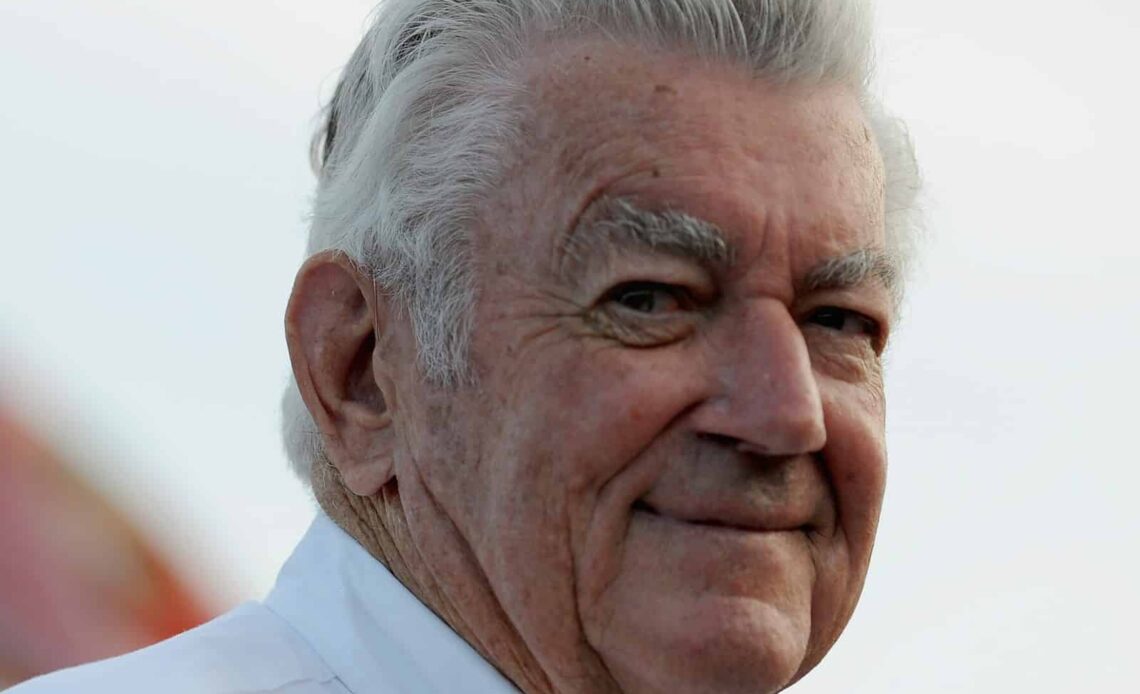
x: 587, y: 357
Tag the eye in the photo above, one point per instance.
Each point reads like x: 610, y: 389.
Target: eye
x: 649, y: 298
x: 847, y: 322
x: 645, y: 314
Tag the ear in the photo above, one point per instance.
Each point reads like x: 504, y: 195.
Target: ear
x: 331, y: 326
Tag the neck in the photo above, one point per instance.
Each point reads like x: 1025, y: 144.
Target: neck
x: 453, y: 586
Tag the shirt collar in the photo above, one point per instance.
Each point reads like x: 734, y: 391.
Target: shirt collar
x: 371, y: 630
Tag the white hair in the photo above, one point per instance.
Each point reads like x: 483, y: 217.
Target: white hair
x: 420, y: 124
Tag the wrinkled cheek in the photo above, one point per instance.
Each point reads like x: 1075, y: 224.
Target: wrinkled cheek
x: 838, y: 581
x: 855, y: 456
x: 525, y: 550
x: 856, y: 461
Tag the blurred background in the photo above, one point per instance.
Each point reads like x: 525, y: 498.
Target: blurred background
x: 154, y: 187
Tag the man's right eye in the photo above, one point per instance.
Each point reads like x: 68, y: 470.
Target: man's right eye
x: 649, y: 298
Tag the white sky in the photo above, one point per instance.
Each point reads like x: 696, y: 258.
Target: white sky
x: 154, y: 184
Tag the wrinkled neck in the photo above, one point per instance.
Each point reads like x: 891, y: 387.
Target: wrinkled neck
x: 456, y: 591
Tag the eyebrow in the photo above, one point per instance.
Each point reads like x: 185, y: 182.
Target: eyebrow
x: 851, y: 270
x: 621, y: 224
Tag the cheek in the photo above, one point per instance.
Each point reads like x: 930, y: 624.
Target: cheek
x: 560, y: 467
x: 857, y: 460
x: 590, y: 420
x: 596, y: 412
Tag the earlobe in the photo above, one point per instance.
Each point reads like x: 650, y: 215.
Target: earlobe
x: 331, y: 326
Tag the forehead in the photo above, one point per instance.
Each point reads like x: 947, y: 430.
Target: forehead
x: 675, y: 132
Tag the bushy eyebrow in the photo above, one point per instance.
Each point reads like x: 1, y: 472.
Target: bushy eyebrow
x: 619, y: 224
x: 851, y: 270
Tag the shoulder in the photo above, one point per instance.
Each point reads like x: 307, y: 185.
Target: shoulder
x: 247, y: 650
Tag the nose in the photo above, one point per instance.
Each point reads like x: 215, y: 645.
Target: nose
x: 766, y: 395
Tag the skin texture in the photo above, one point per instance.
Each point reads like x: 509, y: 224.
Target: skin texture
x: 667, y: 486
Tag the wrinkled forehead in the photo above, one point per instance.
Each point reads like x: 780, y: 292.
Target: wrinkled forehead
x: 582, y: 92
x: 705, y: 138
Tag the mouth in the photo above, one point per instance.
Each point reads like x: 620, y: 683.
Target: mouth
x: 721, y: 521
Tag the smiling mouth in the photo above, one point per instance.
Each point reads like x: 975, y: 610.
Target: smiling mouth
x: 645, y: 507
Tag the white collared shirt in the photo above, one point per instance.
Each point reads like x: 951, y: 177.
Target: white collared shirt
x: 336, y: 621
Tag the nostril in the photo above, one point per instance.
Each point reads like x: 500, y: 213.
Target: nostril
x: 720, y: 439
x: 753, y: 448
x: 641, y: 505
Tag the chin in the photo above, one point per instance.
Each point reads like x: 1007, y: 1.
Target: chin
x: 723, y: 645
x: 695, y: 610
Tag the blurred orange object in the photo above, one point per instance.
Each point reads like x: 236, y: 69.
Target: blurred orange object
x: 77, y: 581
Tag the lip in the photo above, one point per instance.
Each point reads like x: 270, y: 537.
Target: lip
x: 721, y: 521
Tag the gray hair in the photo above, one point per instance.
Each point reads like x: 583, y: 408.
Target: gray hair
x: 416, y: 136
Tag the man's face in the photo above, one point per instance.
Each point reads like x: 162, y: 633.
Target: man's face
x: 671, y: 470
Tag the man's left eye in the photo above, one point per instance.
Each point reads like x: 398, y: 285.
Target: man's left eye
x: 846, y: 321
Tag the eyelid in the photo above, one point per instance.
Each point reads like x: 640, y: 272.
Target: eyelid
x: 863, y: 300
x: 623, y: 265
x: 639, y: 329
x: 877, y: 333
x: 682, y: 294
